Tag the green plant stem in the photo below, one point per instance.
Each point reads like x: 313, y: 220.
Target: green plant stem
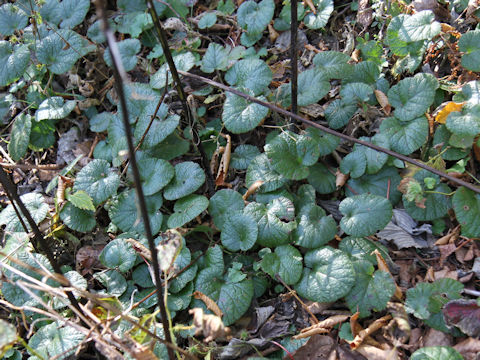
x: 332, y: 132
x: 183, y: 98
x: 119, y: 74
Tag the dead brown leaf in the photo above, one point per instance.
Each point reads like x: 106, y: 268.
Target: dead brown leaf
x: 318, y: 347
x: 364, y: 14
x: 211, y: 305
x: 469, y: 348
x: 208, y: 325
x: 87, y: 259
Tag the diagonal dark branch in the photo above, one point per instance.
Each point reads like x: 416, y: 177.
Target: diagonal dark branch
x: 183, y: 98
x: 119, y: 74
x: 38, y: 238
x: 333, y: 132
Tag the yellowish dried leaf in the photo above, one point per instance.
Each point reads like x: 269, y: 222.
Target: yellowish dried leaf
x: 442, y: 114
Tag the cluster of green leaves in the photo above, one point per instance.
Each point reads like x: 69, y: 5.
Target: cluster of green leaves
x: 281, y: 231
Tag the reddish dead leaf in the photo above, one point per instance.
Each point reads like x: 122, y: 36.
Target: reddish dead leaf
x: 464, y: 314
x: 87, y: 259
x: 446, y: 251
x: 468, y: 348
x: 318, y: 347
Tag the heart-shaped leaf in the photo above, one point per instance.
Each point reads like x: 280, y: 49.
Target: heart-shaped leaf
x: 81, y: 200
x: 54, y: 108
x: 12, y: 18
x: 253, y: 74
x: 13, y: 61
x: 467, y: 210
x: 339, y: 112
x: 286, y: 261
x: 72, y: 12
x: 275, y: 221
x: 189, y: 176
x: 314, y: 228
x: 312, y: 86
x: 155, y: 174
x: 243, y: 156
x: 184, y: 62
x: 183, y: 260
x: 186, y: 209
x: 466, y: 122
x: 319, y: 19
x: 223, y: 205
x: 118, y: 254
x: 332, y: 64
x: 128, y: 50
x: 240, y: 115
x: 420, y: 26
x: 365, y: 214
x: 254, y: 17
x: 260, y: 168
x: 469, y: 45
x: 215, y: 58
x: 239, y: 231
x: 35, y: 205
x: 405, y: 138
x: 78, y: 219
x: 328, y: 275
x: 321, y: 179
x: 97, y: 179
x: 291, y: 154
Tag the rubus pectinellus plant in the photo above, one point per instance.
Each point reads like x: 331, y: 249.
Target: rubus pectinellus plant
x: 160, y: 170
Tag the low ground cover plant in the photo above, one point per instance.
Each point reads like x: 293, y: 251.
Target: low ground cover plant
x: 253, y: 213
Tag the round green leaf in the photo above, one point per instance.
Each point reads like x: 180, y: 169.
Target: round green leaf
x: 365, y: 214
x: 233, y: 297
x: 54, y: 108
x: 216, y: 58
x: 275, y: 221
x: 133, y: 22
x: 13, y: 61
x: 77, y: 219
x: 328, y: 275
x: 35, y: 205
x: 113, y: 281
x: 260, y: 168
x: 436, y: 203
x: 243, y: 156
x: 467, y: 209
x: 141, y: 276
x: 320, y: 18
x: 372, y: 289
x: 239, y: 231
x: 155, y: 174
x: 412, y: 96
x: 254, y: 17
x: 253, y: 74
x: 363, y: 249
x: 124, y: 212
x: 207, y: 20
x: 55, y: 340
x: 286, y: 261
x: 398, y: 46
x: 405, y: 138
x: 466, y: 122
x: 314, y: 228
x: 356, y: 92
x: 223, y: 204
x: 186, y: 209
x: 8, y: 334
x: 128, y: 50
x: 339, y: 112
x: 312, y: 86
x: 100, y: 122
x: 72, y: 12
x: 162, y: 126
x: 12, y: 18
x: 98, y: 180
x: 240, y: 115
x: 118, y: 254
x: 53, y: 51
x: 420, y: 26
x: 332, y: 64
x: 20, y: 136
x: 326, y: 142
x: 380, y: 184
x: 366, y: 72
x: 181, y: 300
x: 469, y: 45
x: 81, y: 200
x: 291, y: 154
x: 321, y: 179
x: 189, y: 176
x: 182, y: 62
x: 436, y: 353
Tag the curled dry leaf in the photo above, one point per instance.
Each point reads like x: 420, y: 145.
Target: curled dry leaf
x: 382, y: 265
x: 364, y: 14
x: 362, y: 335
x: 450, y: 237
x: 210, y: 326
x: 374, y: 353
x: 383, y: 101
x: 252, y: 189
x: 87, y: 259
x: 224, y: 163
x: 340, y: 178
x: 211, y: 305
x: 323, y: 326
x: 272, y: 33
